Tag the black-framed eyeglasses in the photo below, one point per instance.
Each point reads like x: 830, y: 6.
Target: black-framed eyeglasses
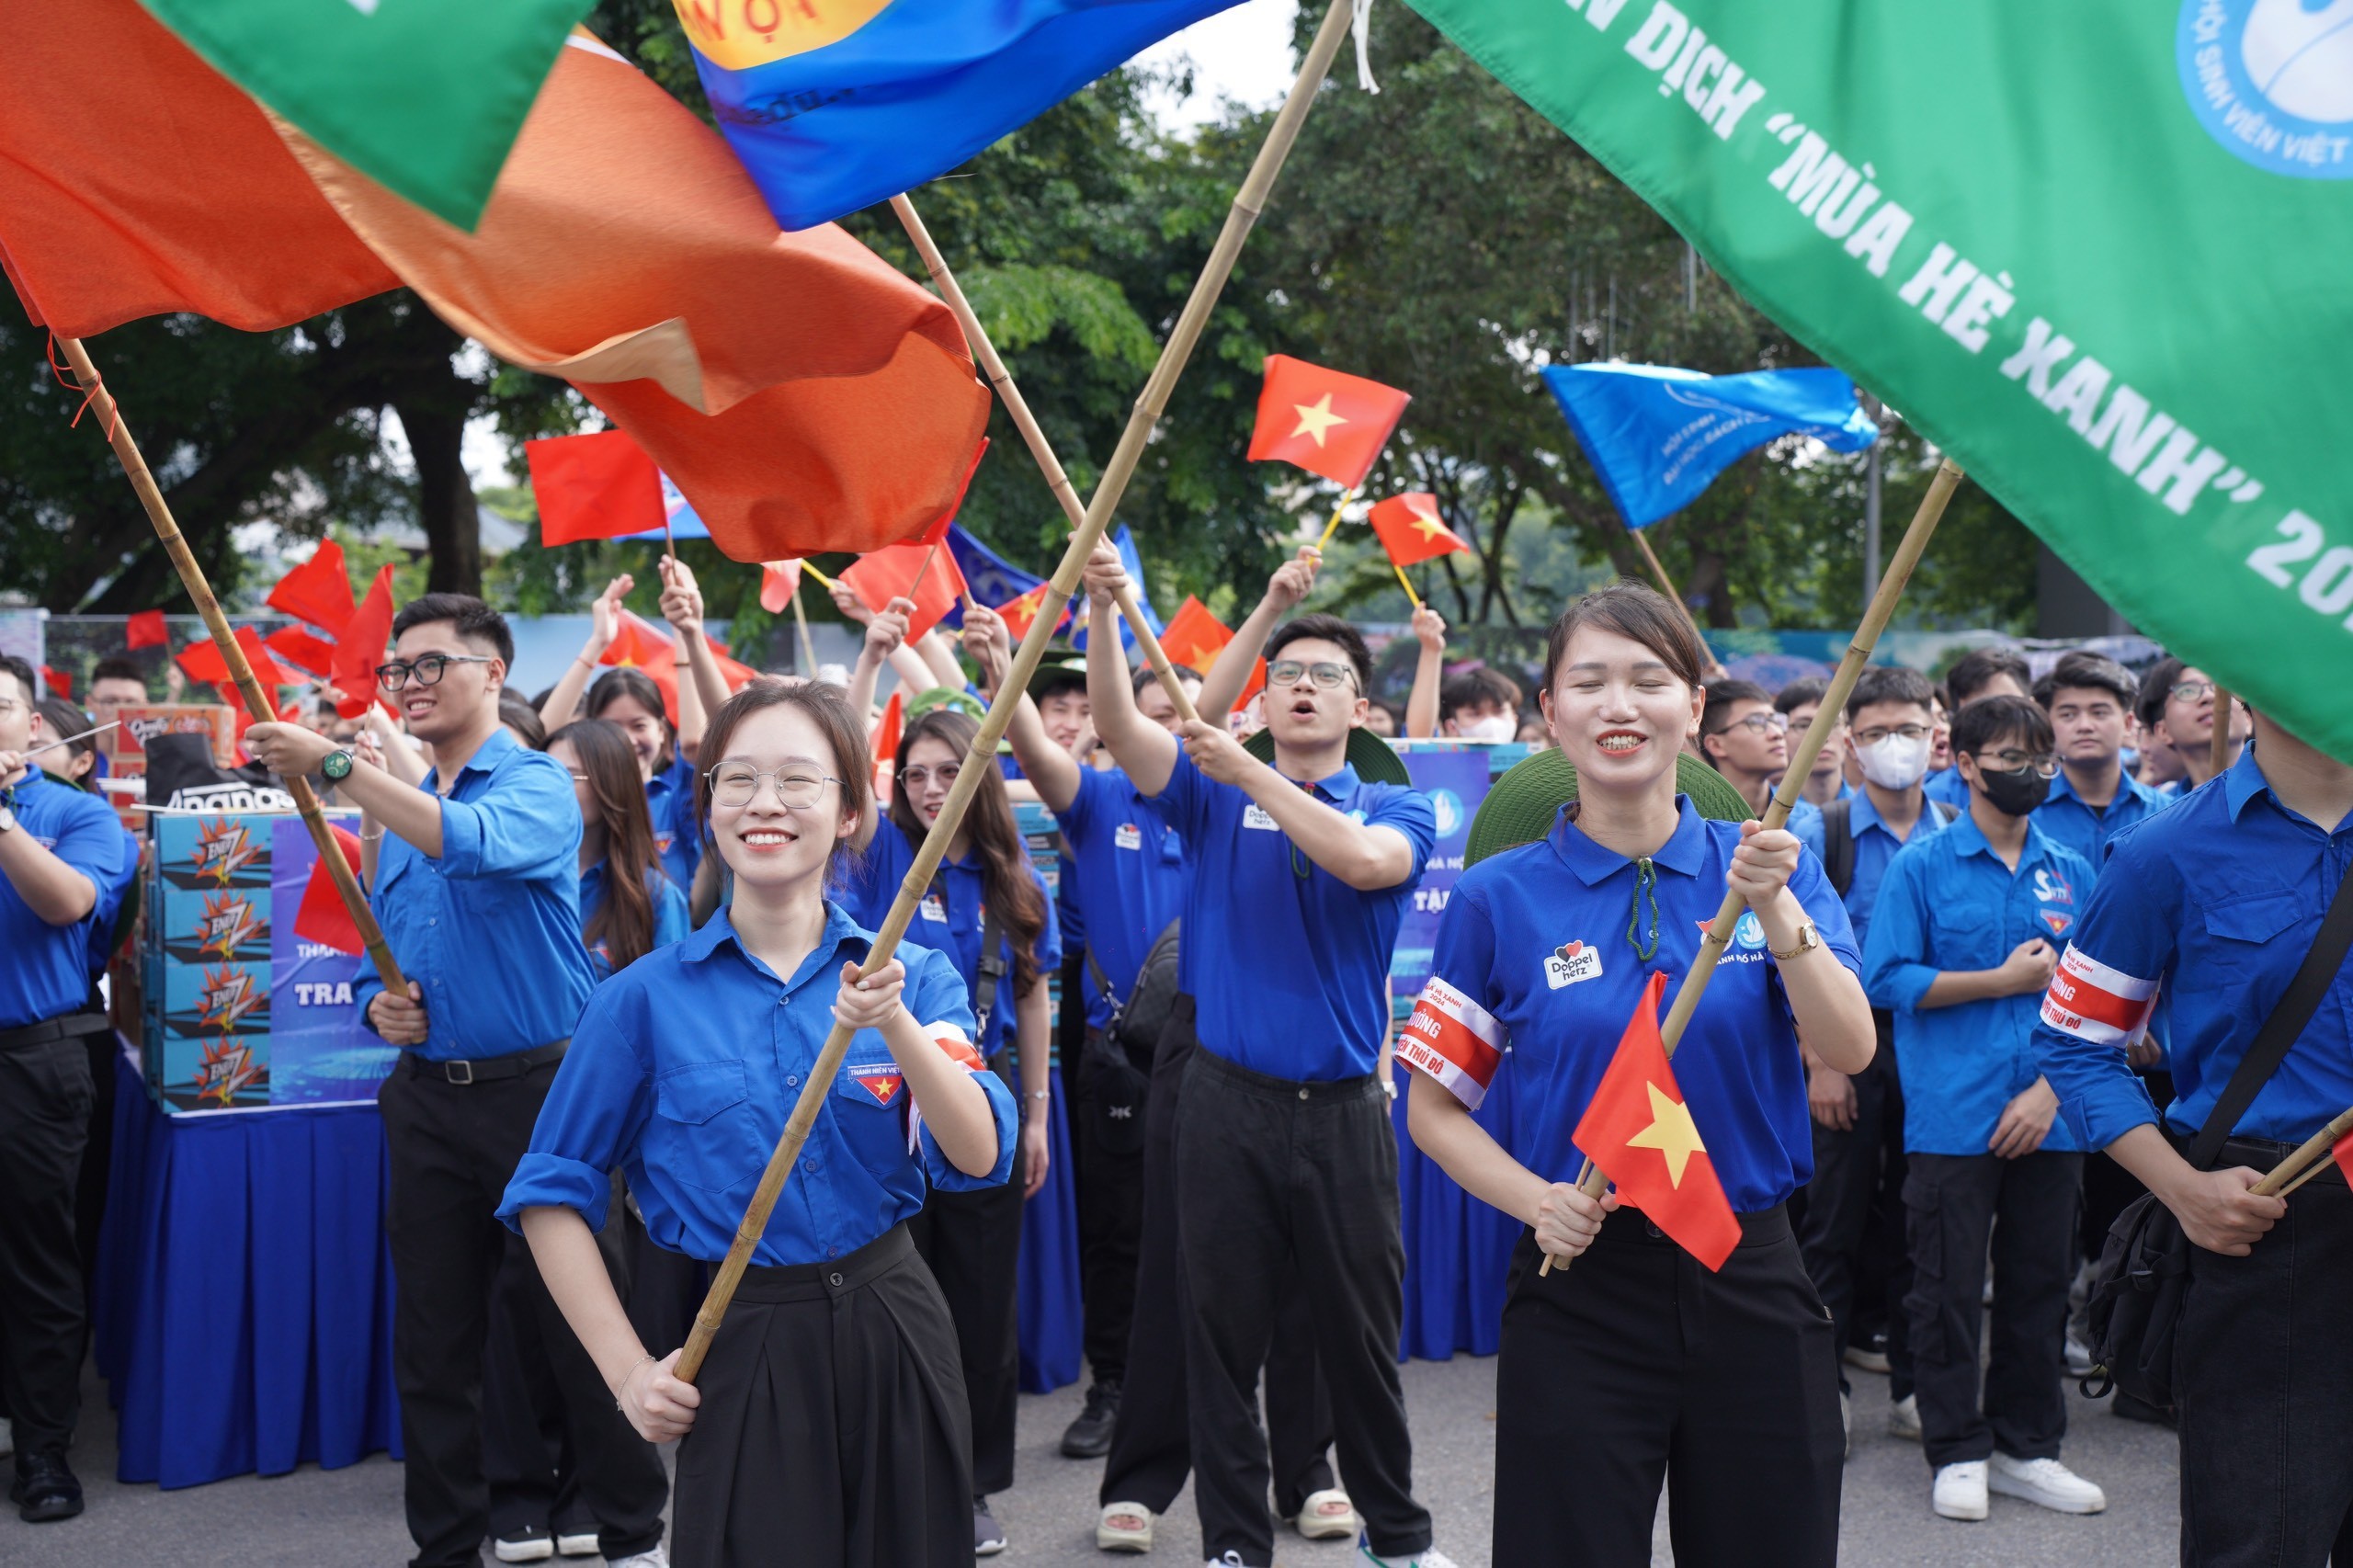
x: 917, y: 777
x: 1761, y: 724
x: 1907, y: 734
x: 2192, y: 690
x: 2010, y: 759
x: 1327, y: 676
x: 737, y: 784
x: 427, y: 670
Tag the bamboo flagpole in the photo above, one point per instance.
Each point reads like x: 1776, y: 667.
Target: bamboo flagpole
x: 1666, y: 586
x: 800, y: 624
x: 1593, y: 1182
x: 2218, y: 745
x: 1018, y: 408
x: 2309, y: 1159
x: 257, y: 703
x: 1065, y: 583
x: 69, y: 740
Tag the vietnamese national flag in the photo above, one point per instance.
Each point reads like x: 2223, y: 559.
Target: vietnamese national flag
x: 1194, y: 639
x: 924, y: 573
x: 318, y: 591
x: 737, y: 674
x: 938, y: 532
x: 146, y: 630
x: 322, y: 916
x: 359, y: 647
x: 778, y: 580
x: 600, y: 485
x: 1023, y: 612
x: 886, y: 744
x: 1322, y: 421
x: 1410, y: 529
x: 1639, y: 1131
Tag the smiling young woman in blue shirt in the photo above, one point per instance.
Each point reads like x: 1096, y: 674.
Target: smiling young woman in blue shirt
x: 830, y: 1424
x: 1638, y: 1366
x: 628, y: 907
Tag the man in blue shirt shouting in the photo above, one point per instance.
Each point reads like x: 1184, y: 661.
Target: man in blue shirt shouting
x: 1285, y: 1153
x: 477, y: 888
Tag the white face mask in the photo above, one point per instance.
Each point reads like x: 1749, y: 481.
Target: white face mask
x: 1895, y: 763
x: 1497, y: 727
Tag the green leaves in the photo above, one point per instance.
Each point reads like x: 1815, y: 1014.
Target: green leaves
x: 1020, y: 306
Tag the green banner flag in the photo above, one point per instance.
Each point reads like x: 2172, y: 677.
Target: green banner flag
x: 2101, y: 251
x: 424, y: 96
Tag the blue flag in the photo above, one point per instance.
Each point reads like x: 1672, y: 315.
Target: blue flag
x: 840, y: 104
x: 684, y: 521
x: 1658, y: 436
x: 996, y: 583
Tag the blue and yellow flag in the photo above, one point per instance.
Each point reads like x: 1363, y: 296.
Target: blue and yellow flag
x: 834, y: 105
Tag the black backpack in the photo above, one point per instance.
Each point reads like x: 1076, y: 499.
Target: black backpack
x: 1118, y: 1062
x: 1838, y: 839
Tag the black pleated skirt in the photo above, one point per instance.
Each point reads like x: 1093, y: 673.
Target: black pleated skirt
x: 834, y: 1428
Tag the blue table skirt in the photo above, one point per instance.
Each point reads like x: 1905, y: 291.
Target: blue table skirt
x: 244, y: 1308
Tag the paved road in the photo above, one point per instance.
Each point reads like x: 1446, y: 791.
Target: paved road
x: 351, y: 1518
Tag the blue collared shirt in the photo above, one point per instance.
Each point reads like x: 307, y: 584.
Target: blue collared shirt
x: 953, y: 926
x: 684, y: 1069
x: 1948, y: 903
x: 1875, y: 846
x: 45, y: 969
x: 671, y: 919
x: 1128, y: 868
x: 1537, y: 938
x: 2067, y: 819
x: 1286, y: 964
x: 1947, y: 786
x: 491, y: 930
x: 2215, y: 900
x: 677, y: 835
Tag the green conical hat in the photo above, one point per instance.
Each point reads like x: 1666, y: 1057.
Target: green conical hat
x: 1521, y: 806
x: 1369, y: 755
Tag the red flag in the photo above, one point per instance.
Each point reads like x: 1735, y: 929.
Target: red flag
x: 359, y: 647
x: 638, y: 643
x: 58, y: 682
x: 887, y: 575
x: 1194, y: 639
x: 203, y: 662
x: 318, y: 591
x: 938, y: 529
x: 737, y: 674
x: 1322, y: 421
x: 146, y: 630
x: 1640, y: 1132
x: 2343, y: 1150
x: 297, y: 646
x: 777, y: 579
x: 1021, y: 612
x: 1409, y: 530
x: 322, y: 916
x: 600, y: 485
x: 886, y: 745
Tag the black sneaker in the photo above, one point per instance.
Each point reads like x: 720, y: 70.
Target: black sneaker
x: 988, y: 1535
x: 1089, y: 1436
x: 45, y: 1489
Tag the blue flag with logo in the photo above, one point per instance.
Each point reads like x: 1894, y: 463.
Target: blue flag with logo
x: 1658, y: 436
x: 996, y: 583
x: 834, y: 105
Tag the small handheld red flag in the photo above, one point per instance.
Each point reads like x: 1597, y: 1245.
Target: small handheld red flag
x: 2343, y: 1151
x: 203, y: 662
x: 1195, y: 638
x: 737, y: 674
x: 59, y: 682
x: 1019, y: 614
x: 1323, y: 421
x: 926, y: 573
x: 1638, y: 1130
x: 323, y: 917
x: 300, y: 648
x: 1410, y: 529
x: 318, y: 591
x: 777, y: 579
x: 886, y: 744
x: 146, y: 630
x: 600, y: 485
x: 359, y: 647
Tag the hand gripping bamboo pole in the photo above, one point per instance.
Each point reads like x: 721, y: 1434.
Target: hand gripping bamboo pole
x: 1059, y: 589
x: 1593, y: 1182
x: 2311, y: 1158
x: 1040, y: 449
x: 257, y: 703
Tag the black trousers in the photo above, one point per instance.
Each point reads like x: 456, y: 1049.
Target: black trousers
x: 1636, y: 1367
x: 1954, y: 1202
x: 1151, y: 1441
x: 452, y: 1150
x: 833, y: 1427
x: 1276, y: 1176
x: 2263, y: 1371
x: 1109, y: 1177
x: 1842, y: 1232
x: 45, y: 1102
x: 972, y: 1243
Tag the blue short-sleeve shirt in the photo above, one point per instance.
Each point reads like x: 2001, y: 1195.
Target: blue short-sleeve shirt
x: 45, y: 969
x: 671, y: 920
x: 2065, y: 818
x: 678, y: 833
x: 1535, y: 940
x: 1948, y: 903
x: 1127, y: 871
x: 683, y: 1070
x: 1875, y: 846
x: 1948, y: 785
x: 1286, y: 964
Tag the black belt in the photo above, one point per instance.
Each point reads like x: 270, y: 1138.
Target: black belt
x: 485, y: 1069
x: 68, y: 1026
x: 2263, y: 1155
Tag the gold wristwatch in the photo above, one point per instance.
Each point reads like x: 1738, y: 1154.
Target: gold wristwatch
x: 1808, y: 940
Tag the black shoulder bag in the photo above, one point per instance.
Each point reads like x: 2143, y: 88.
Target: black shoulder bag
x: 2144, y: 1275
x: 1118, y: 1062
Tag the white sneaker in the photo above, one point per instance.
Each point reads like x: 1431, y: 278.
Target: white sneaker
x: 1431, y: 1558
x: 1903, y: 1417
x: 657, y: 1558
x: 1315, y: 1524
x: 1959, y: 1490
x: 2048, y: 1483
x: 1110, y: 1536
x: 524, y: 1546
x: 581, y: 1545
x: 2079, y: 1357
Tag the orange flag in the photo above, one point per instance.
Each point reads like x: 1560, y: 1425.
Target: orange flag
x: 777, y: 579
x: 1409, y: 530
x: 600, y: 485
x: 1322, y: 421
x: 302, y: 649
x: 322, y: 916
x: 1194, y: 639
x: 1638, y: 1130
x: 203, y: 662
x: 318, y: 591
x: 359, y: 647
x: 927, y: 574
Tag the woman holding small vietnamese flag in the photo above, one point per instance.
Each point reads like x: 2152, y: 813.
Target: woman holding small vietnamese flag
x: 1644, y: 1364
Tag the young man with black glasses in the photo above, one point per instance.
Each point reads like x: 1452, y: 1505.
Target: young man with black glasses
x: 2176, y: 714
x: 1745, y: 738
x: 476, y: 887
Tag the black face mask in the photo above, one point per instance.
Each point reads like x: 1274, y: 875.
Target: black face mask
x: 2013, y: 793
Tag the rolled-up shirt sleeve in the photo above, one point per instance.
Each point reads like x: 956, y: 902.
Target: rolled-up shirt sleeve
x: 936, y: 995
x: 1896, y: 971
x: 2106, y: 983
x: 591, y: 1121
x: 526, y: 825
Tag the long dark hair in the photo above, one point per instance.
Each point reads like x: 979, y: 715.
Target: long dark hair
x: 1007, y: 886
x: 625, y: 921
x: 827, y: 708
x: 623, y: 680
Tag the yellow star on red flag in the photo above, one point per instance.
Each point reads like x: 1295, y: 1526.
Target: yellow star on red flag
x: 1316, y: 418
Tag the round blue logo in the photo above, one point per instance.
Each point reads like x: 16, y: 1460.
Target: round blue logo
x: 2272, y: 80
x: 1447, y: 806
x: 1749, y: 932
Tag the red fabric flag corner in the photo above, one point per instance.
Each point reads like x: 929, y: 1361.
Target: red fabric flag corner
x: 1410, y: 531
x: 938, y: 530
x: 1019, y: 614
x: 59, y: 682
x: 203, y: 662
x: 600, y: 485
x: 1323, y: 421
x: 359, y: 647
x: 886, y: 745
x: 892, y: 573
x: 146, y: 630
x: 2342, y: 1151
x: 1639, y: 1131
x: 318, y: 591
x: 641, y: 645
x: 323, y: 917
x: 777, y: 579
x: 300, y: 648
x: 1195, y: 638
